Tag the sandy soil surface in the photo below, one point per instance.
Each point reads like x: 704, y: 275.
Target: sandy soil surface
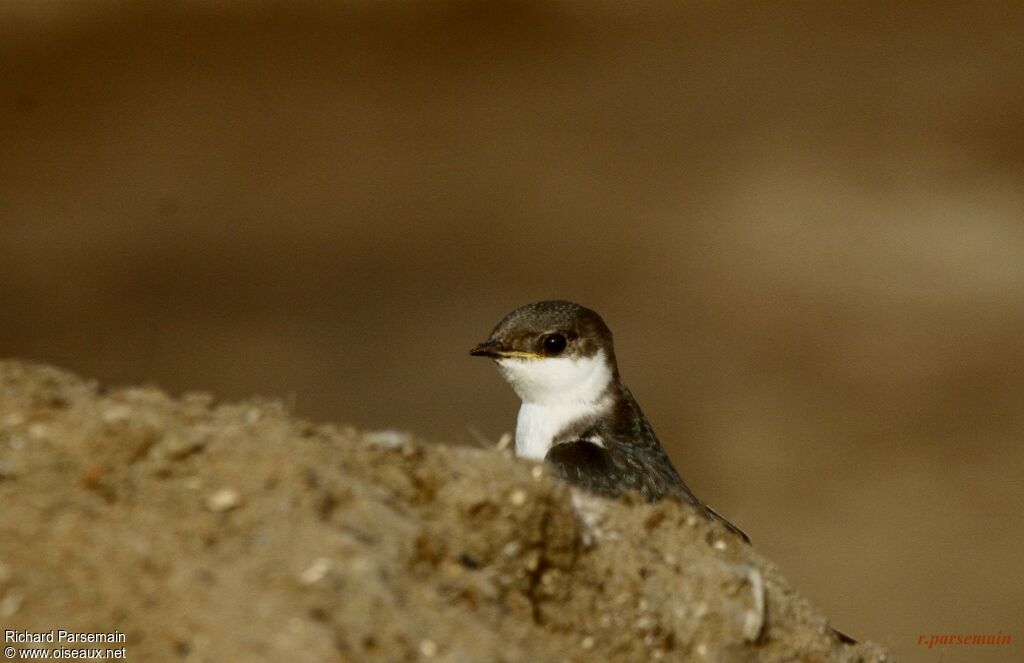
x: 214, y: 532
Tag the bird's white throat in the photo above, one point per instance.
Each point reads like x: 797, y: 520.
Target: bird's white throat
x: 556, y: 391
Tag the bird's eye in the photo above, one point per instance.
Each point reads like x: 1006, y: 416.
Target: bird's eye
x: 553, y: 344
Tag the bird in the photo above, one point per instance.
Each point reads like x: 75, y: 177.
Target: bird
x: 577, y: 415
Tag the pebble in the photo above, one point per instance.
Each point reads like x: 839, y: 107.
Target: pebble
x: 428, y: 648
x: 224, y: 499
x: 117, y: 413
x: 389, y: 439
x: 316, y: 571
x: 517, y: 498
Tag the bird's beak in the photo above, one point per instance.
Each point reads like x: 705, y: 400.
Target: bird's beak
x: 489, y: 348
x: 495, y: 350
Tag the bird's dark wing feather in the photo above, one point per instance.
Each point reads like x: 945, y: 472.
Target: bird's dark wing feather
x: 586, y: 465
x: 616, y: 469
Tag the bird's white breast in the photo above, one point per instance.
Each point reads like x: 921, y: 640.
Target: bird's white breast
x: 556, y: 391
x: 538, y: 425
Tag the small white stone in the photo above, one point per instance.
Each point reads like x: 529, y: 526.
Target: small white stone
x: 719, y: 544
x: 389, y: 439
x: 224, y: 499
x: 537, y: 472
x: 753, y: 619
x: 428, y: 648
x: 517, y: 498
x: 587, y: 643
x: 117, y: 413
x: 316, y: 571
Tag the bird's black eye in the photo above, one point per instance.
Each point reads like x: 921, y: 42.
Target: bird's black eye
x: 553, y: 344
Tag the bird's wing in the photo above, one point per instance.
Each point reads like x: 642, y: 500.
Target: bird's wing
x: 614, y: 469
x: 725, y: 523
x: 589, y: 466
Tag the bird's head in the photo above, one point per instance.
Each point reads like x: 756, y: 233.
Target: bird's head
x: 553, y: 352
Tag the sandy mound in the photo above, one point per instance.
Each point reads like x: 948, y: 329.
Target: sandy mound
x: 237, y: 532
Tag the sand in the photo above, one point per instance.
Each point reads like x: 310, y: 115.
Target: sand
x: 206, y: 531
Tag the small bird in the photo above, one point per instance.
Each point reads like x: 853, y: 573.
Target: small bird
x: 576, y: 413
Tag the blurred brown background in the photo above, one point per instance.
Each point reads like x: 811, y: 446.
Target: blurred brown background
x: 805, y: 225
